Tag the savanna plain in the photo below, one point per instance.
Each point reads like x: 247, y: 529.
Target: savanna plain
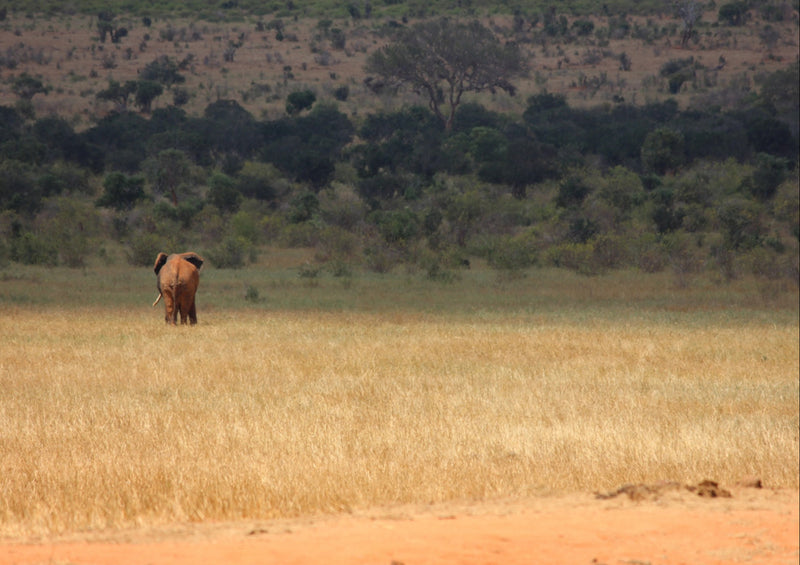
x: 295, y: 398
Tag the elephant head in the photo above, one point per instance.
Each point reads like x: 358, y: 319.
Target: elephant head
x: 177, y: 279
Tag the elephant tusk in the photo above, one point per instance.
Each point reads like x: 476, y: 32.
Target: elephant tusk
x: 157, y: 299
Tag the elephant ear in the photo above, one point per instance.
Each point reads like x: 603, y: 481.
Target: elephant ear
x: 193, y: 258
x: 160, y: 260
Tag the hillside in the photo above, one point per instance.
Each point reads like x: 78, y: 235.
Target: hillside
x: 628, y: 144
x: 244, y: 61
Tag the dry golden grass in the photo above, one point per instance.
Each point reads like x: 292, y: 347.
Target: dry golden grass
x: 109, y: 421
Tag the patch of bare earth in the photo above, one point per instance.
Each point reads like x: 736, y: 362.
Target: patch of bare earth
x: 664, y: 523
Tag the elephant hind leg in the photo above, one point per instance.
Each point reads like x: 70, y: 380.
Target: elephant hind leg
x: 184, y: 303
x: 180, y: 307
x: 192, y: 314
x: 170, y: 308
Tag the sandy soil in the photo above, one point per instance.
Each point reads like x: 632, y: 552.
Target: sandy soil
x: 755, y: 526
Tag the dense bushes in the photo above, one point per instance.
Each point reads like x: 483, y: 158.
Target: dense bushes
x: 589, y: 189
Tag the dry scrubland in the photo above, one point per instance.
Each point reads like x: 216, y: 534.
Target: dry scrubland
x: 68, y: 56
x: 110, y: 419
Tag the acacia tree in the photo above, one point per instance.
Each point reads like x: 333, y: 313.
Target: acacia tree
x: 689, y: 11
x: 26, y: 86
x: 443, y: 59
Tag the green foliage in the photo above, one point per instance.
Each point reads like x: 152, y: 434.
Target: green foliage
x: 118, y: 93
x: 26, y: 86
x: 514, y: 253
x: 251, y: 294
x: 123, y: 136
x: 578, y: 257
x: 74, y: 225
x: 231, y: 253
x: 30, y: 248
x: 341, y: 93
x: 443, y: 59
x: 679, y: 71
x: 304, y: 207
x: 223, y: 193
x: 146, y: 92
x: 230, y: 129
x: 258, y: 181
x: 306, y: 146
x: 337, y: 245
x: 162, y: 70
x: 298, y: 101
x: 168, y: 172
x: 243, y: 225
x: 622, y: 189
x: 143, y: 249
x: 663, y: 151
x: 664, y: 211
x: 734, y: 13
x: 121, y: 191
x: 770, y: 172
x: 572, y: 191
x: 397, y: 226
x: 582, y: 27
x: 741, y: 223
x: 651, y: 186
x: 781, y: 90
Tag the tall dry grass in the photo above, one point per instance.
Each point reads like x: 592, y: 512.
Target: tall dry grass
x: 109, y: 421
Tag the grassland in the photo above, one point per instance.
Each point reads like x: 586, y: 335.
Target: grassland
x: 322, y: 395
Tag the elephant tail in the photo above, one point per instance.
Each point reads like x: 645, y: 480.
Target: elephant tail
x: 157, y: 299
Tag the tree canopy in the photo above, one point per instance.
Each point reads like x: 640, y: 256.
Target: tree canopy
x: 442, y: 59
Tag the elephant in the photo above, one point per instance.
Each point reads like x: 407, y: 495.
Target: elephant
x: 178, y: 276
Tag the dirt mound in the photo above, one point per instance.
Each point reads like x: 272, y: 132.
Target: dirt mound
x: 706, y: 488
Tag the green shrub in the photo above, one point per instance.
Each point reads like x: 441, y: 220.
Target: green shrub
x: 733, y: 13
x: 380, y: 258
x: 32, y: 249
x: 767, y: 263
x: 578, y: 257
x: 647, y: 254
x: 304, y: 206
x: 223, y: 193
x: 611, y: 251
x: 663, y: 151
x: 513, y: 253
x: 73, y: 226
x: 251, y: 294
x: 686, y: 257
x: 143, y: 248
x: 309, y: 273
x: 741, y: 223
x: 396, y: 226
x: 341, y: 206
x: 231, y: 253
x: 770, y: 172
x: 298, y: 101
x: 305, y: 234
x: 243, y: 224
x: 121, y: 191
x: 341, y: 93
x: 337, y: 244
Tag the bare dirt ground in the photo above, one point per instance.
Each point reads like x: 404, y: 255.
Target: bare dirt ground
x: 631, y: 526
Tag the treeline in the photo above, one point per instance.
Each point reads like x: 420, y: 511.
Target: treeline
x: 615, y: 186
